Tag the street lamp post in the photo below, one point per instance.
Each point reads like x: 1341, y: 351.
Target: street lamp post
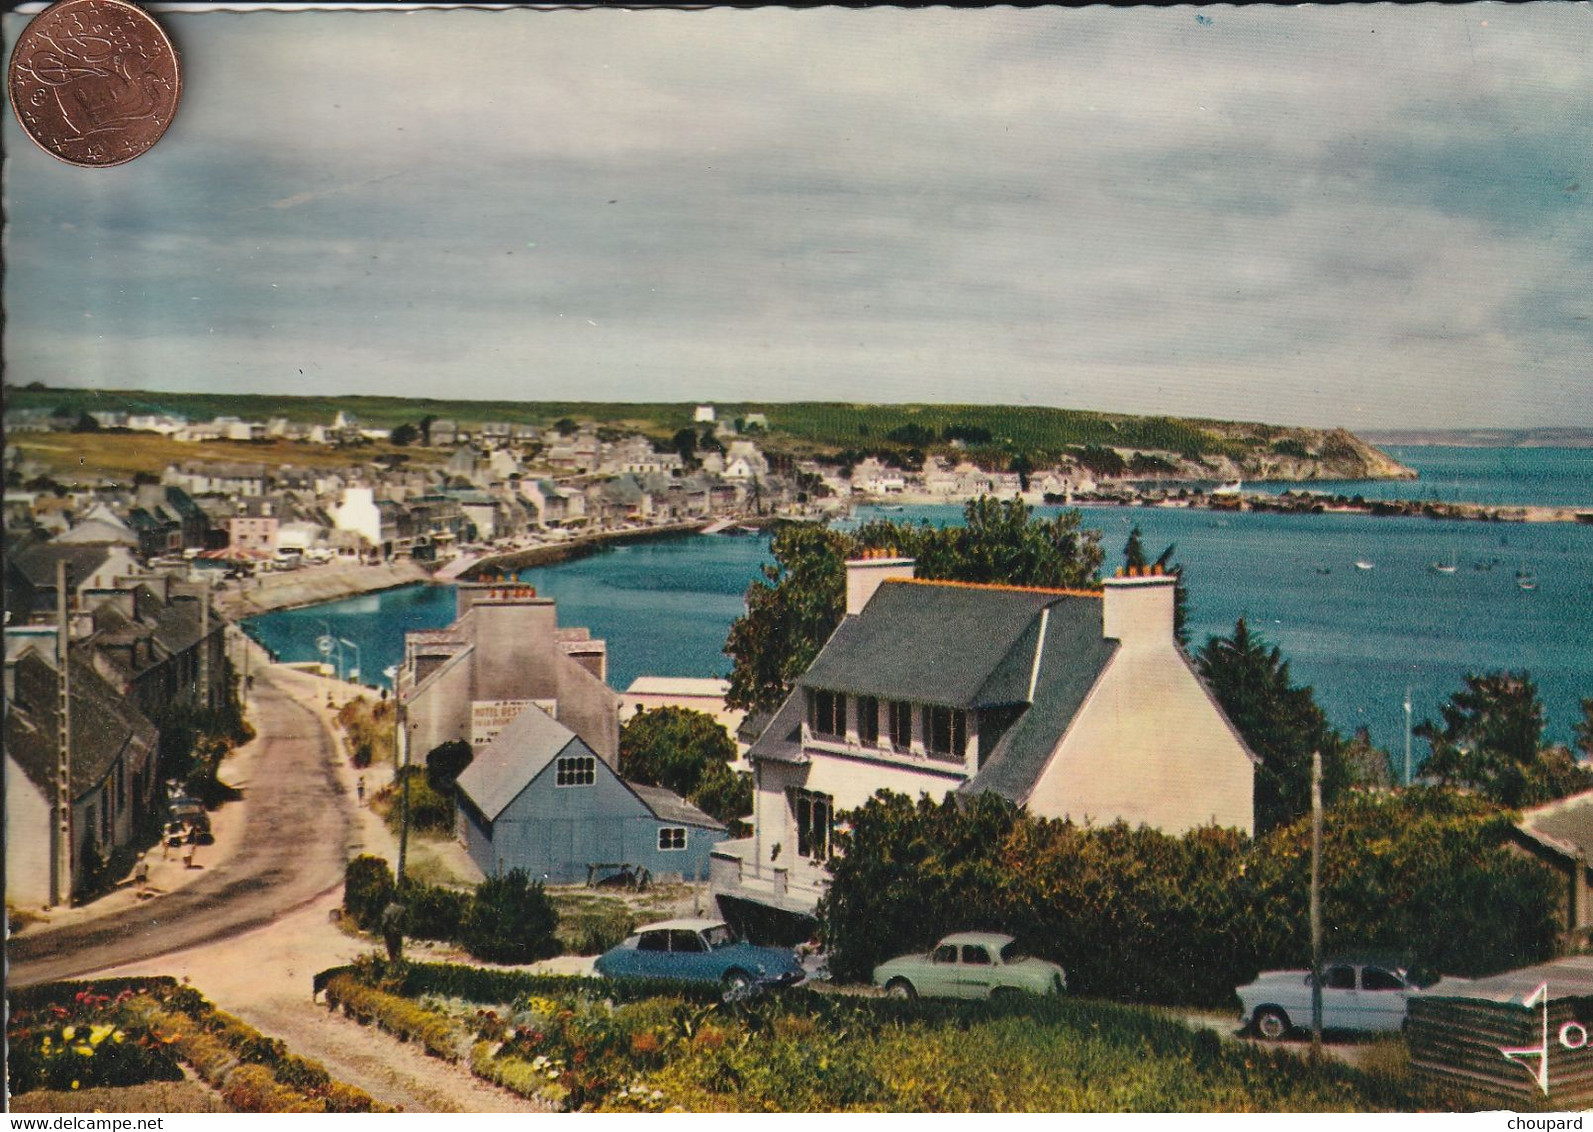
x: 403, y: 792
x: 359, y: 663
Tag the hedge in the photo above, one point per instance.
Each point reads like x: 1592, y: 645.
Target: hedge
x: 397, y: 1015
x: 368, y: 889
x: 1137, y: 915
x: 487, y: 985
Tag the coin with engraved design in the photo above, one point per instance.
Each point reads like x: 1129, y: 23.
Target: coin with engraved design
x: 94, y: 82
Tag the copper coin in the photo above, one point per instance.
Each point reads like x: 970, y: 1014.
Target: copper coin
x: 94, y: 82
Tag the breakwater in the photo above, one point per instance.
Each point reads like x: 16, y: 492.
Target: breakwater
x: 312, y: 585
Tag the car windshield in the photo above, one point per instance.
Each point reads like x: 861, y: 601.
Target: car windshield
x: 720, y: 936
x: 1011, y: 953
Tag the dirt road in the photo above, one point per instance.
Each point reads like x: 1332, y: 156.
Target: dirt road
x: 294, y: 843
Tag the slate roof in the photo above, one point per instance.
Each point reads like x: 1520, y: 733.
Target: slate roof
x: 520, y: 752
x: 669, y: 806
x: 104, y: 724
x: 37, y: 563
x: 956, y: 646
x: 966, y: 647
x: 1564, y: 826
x: 1074, y: 656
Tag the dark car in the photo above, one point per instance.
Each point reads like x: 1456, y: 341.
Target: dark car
x: 699, y: 951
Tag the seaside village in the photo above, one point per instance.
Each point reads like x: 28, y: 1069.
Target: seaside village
x: 121, y: 651
x: 128, y: 683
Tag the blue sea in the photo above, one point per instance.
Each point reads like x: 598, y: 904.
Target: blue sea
x: 1359, y: 637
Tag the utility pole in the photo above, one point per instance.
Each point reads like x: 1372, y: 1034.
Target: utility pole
x: 61, y: 889
x: 402, y: 771
x: 1316, y: 905
x: 204, y: 646
x: 1407, y: 736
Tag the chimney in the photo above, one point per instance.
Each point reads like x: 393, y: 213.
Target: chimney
x: 864, y: 575
x: 1138, y: 608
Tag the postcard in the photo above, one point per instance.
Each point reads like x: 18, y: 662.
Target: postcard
x: 798, y: 560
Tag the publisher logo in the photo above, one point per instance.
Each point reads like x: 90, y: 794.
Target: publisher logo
x: 1572, y: 1035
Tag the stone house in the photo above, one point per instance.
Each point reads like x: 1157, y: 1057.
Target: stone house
x: 1074, y: 704
x: 114, y: 780
x: 504, y: 651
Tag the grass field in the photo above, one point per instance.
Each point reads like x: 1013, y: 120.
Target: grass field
x: 91, y: 458
x: 159, y: 1096
x: 798, y: 426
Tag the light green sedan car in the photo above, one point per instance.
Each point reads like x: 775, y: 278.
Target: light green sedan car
x: 970, y: 965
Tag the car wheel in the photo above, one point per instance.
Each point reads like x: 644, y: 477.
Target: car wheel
x: 1272, y: 1023
x: 737, y: 982
x: 900, y: 988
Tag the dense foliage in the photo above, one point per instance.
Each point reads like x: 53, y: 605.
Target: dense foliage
x: 1279, y: 720
x: 1491, y: 740
x: 368, y: 889
x: 798, y: 603
x: 688, y: 752
x: 510, y: 920
x: 1139, y: 915
x: 445, y: 763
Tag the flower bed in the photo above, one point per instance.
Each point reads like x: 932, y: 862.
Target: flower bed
x: 591, y: 1044
x: 71, y: 1036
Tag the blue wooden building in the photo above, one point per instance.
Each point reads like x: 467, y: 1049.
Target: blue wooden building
x: 537, y: 798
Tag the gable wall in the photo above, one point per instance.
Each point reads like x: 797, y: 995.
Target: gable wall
x: 1149, y: 746
x: 27, y: 834
x: 553, y: 832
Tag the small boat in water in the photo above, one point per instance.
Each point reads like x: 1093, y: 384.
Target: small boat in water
x: 890, y: 507
x: 1446, y: 567
x: 1363, y: 564
x: 1526, y: 579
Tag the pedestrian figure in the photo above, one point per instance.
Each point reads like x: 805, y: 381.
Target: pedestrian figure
x: 393, y: 930
x: 360, y: 789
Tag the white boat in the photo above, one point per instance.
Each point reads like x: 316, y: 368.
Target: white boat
x: 1233, y: 488
x: 1363, y: 564
x: 1526, y: 579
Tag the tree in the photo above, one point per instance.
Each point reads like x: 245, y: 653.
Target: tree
x: 1366, y: 763
x: 1023, y: 465
x: 564, y: 426
x: 445, y: 763
x: 791, y: 612
x: 1280, y: 722
x: 798, y: 603
x: 86, y: 423
x: 1134, y: 551
x: 673, y: 747
x: 511, y: 920
x: 1584, y: 730
x: 425, y: 429
x: 405, y: 435
x: 685, y: 442
x: 1491, y: 741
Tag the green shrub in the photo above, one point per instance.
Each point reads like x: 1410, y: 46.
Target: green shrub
x: 252, y: 1088
x: 1141, y: 916
x: 445, y: 763
x: 432, y: 912
x: 510, y: 920
x: 367, y: 890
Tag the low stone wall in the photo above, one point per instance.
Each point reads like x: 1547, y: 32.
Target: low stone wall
x: 312, y: 585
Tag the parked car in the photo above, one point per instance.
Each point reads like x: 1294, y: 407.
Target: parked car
x: 699, y: 950
x: 969, y: 965
x: 1356, y: 995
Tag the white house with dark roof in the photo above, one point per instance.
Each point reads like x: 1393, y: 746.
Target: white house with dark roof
x: 1074, y: 704
x: 537, y: 798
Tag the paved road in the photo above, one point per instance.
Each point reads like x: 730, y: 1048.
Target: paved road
x: 293, y: 847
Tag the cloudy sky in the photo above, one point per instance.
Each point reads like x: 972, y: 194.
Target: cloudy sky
x: 1368, y: 216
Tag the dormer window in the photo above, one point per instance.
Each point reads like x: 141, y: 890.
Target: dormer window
x: 945, y: 732
x: 827, y: 713
x: 901, y: 726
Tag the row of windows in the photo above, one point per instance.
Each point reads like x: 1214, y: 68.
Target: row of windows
x: 943, y: 730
